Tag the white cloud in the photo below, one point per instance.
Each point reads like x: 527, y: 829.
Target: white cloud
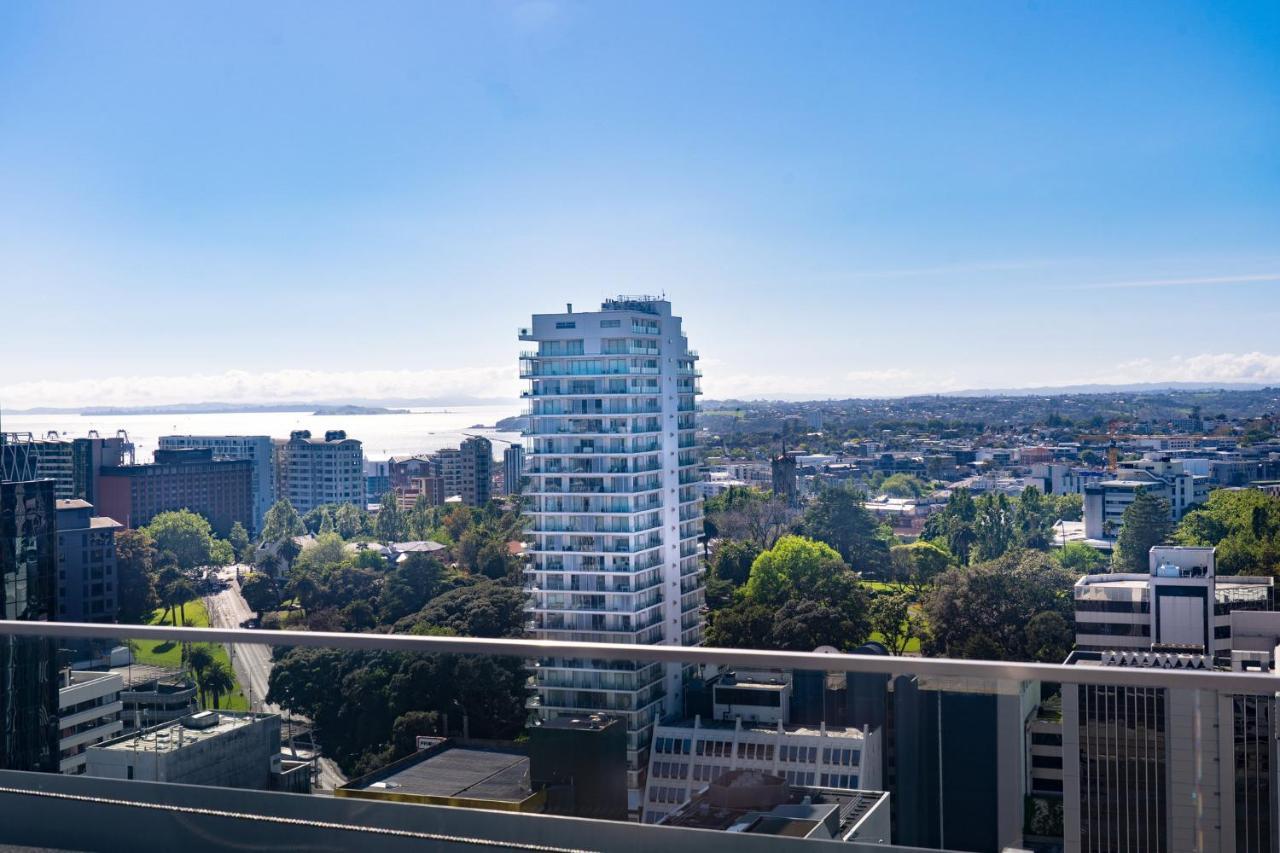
x: 238, y: 386
x: 1256, y: 367
x: 888, y: 382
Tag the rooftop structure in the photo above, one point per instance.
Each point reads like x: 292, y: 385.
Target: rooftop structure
x: 449, y: 773
x: 754, y: 802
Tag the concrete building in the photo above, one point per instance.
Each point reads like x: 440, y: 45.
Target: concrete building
x: 28, y: 592
x: 1180, y: 601
x: 220, y: 490
x: 151, y: 695
x: 377, y: 479
x: 258, y: 450
x: 314, y: 471
x: 614, y: 508
x: 89, y: 712
x: 86, y: 564
x: 467, y: 471
x: 754, y: 802
x: 1154, y: 768
x: 749, y: 729
x: 460, y: 774
x: 209, y: 748
x: 73, y: 463
x: 1106, y: 500
x: 513, y: 469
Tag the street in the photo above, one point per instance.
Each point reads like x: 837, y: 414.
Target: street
x: 252, y: 664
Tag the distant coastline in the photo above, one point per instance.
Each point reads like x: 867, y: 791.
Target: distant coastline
x: 324, y: 407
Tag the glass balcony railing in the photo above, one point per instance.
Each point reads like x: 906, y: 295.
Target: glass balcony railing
x: 594, y: 734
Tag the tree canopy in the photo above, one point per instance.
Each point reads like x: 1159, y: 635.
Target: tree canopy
x: 985, y: 610
x: 1145, y: 523
x: 187, y: 537
x: 1243, y: 524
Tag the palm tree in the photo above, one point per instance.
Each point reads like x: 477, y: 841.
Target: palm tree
x: 182, y: 591
x: 218, y: 680
x: 199, y: 659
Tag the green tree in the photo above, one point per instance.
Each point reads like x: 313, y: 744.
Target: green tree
x: 794, y: 563
x: 837, y: 517
x: 323, y: 554
x: 260, y: 593
x: 731, y: 560
x: 184, y: 534
x: 135, y: 576
x: 902, y: 486
x: 389, y: 525
x: 1145, y: 523
x: 1049, y: 637
x: 1069, y: 507
x: 995, y: 528
x: 281, y: 522
x: 239, y: 540
x: 917, y: 565
x: 1243, y: 524
x: 953, y: 525
x: 1080, y: 559
x: 983, y: 610
x: 199, y: 659
x: 893, y: 617
x: 1033, y: 518
x: 351, y: 521
x: 218, y: 681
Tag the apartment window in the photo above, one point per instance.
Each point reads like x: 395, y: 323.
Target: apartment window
x: 610, y: 324
x: 566, y: 324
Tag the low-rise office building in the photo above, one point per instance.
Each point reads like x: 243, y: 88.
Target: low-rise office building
x: 749, y: 729
x: 208, y: 748
x: 1180, y: 601
x: 89, y: 712
x: 86, y: 563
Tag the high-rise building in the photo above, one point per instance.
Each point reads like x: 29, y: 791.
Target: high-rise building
x: 512, y: 469
x: 315, y: 471
x: 258, y: 449
x: 467, y: 472
x: 73, y: 464
x: 614, y: 509
x: 178, y: 479
x: 28, y: 591
x: 87, y: 582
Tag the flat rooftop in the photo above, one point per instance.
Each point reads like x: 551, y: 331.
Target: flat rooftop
x: 806, y: 811
x: 449, y: 770
x: 165, y: 738
x: 767, y: 728
x: 142, y: 673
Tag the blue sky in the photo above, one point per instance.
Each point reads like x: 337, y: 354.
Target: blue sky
x: 253, y: 201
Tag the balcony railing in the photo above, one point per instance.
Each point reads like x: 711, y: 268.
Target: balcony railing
x: 974, y: 708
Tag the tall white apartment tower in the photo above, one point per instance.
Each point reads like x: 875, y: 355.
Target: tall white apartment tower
x: 614, y: 508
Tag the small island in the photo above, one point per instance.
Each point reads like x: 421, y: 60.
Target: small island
x: 358, y: 410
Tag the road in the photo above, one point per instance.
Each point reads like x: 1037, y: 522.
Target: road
x: 252, y: 664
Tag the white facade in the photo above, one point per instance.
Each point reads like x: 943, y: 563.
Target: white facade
x: 89, y: 709
x: 258, y: 449
x: 687, y: 756
x: 614, y: 507
x: 1180, y: 602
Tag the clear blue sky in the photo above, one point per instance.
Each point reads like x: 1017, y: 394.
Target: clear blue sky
x: 840, y: 198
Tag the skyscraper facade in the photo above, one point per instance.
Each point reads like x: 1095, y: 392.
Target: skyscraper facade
x: 614, y: 508
x: 28, y: 591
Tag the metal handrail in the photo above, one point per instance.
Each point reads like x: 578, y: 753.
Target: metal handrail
x: 971, y: 670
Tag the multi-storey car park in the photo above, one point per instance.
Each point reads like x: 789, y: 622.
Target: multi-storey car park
x: 614, y: 508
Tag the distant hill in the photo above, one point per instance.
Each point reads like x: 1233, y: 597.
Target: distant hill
x: 317, y: 406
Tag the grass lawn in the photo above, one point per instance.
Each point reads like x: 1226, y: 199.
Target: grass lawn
x: 913, y: 645
x: 883, y: 586
x: 169, y: 654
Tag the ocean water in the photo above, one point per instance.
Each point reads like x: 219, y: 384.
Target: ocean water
x: 420, y: 431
